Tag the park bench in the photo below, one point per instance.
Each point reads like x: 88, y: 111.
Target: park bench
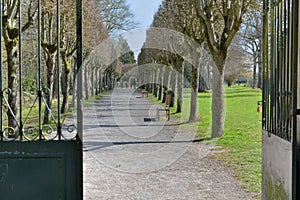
x: 169, y: 98
x: 144, y: 94
x: 166, y: 109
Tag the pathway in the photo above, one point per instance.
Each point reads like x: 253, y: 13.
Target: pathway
x: 128, y: 158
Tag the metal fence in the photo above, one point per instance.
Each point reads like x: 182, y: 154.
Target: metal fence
x: 23, y: 111
x: 278, y: 69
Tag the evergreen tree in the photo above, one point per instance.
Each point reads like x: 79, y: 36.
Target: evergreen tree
x: 125, y: 54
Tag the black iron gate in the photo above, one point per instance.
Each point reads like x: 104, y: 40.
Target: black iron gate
x: 40, y: 144
x: 280, y: 100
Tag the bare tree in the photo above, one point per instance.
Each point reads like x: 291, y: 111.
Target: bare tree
x: 237, y: 63
x: 49, y: 45
x: 94, y: 33
x: 180, y: 16
x: 222, y: 20
x: 10, y: 34
x: 251, y: 33
x: 191, y: 26
x: 116, y: 15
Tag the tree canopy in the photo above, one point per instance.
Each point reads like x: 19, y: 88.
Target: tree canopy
x: 124, y: 53
x: 116, y: 15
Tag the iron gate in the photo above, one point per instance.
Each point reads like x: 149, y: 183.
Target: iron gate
x: 280, y: 97
x: 40, y: 146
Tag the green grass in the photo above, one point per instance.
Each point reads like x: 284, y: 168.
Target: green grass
x: 92, y: 99
x: 240, y: 147
x: 242, y: 139
x: 30, y: 111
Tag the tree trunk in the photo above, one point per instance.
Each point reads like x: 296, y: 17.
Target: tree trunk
x: 160, y: 89
x: 166, y: 84
x: 149, y: 84
x: 202, y: 86
x: 254, y: 70
x: 259, y: 84
x: 161, y: 81
x: 12, y: 56
x: 50, y: 63
x: 173, y: 86
x: 180, y: 78
x: 209, y: 77
x: 203, y: 78
x: 109, y: 80
x: 157, y: 83
x: 100, y: 81
x: 152, y: 82
x: 104, y: 81
x: 92, y: 82
x: 155, y: 89
x: 218, y: 102
x: 54, y: 89
x: 86, y: 83
x: 194, y: 92
x: 65, y: 84
x: 96, y: 81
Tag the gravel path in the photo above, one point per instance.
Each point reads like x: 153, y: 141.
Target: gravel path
x: 129, y: 157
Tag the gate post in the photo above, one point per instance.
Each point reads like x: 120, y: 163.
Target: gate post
x: 79, y: 41
x: 79, y: 67
x: 296, y: 102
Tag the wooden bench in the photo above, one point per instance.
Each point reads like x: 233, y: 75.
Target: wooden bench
x: 169, y: 99
x: 166, y: 109
x: 144, y: 94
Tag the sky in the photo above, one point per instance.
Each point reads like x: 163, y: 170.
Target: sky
x: 143, y: 11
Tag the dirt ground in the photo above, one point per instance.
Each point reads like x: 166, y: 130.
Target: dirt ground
x: 128, y: 157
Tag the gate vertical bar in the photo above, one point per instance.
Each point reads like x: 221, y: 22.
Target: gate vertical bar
x: 79, y: 89
x: 1, y: 90
x: 265, y: 62
x: 39, y: 73
x: 296, y: 103
x: 20, y: 71
x: 79, y: 67
x: 58, y: 69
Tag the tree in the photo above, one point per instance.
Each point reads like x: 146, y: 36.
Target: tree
x: 116, y: 15
x: 251, y: 33
x: 191, y: 25
x: 205, y: 72
x: 180, y: 16
x: 49, y: 45
x: 10, y: 34
x: 236, y: 65
x: 221, y: 20
x: 67, y: 49
x: 93, y: 34
x: 124, y: 53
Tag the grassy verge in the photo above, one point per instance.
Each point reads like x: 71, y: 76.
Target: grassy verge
x: 240, y: 147
x: 242, y: 139
x: 31, y: 111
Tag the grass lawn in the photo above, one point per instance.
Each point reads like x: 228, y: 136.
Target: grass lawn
x: 240, y: 147
x: 31, y: 112
x: 242, y: 140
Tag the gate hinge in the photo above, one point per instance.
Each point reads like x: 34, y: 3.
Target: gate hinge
x: 298, y: 112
